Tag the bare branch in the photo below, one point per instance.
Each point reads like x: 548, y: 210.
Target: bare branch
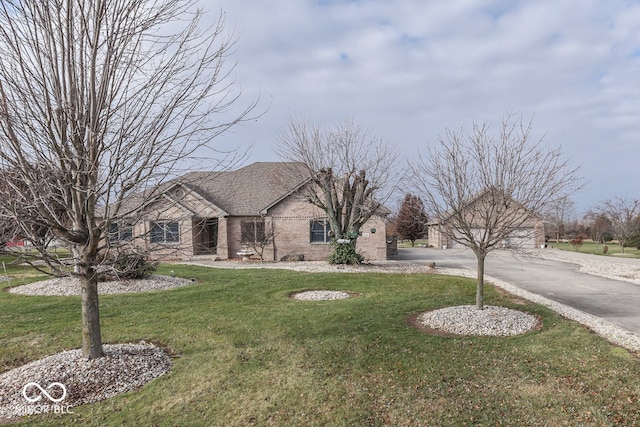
x: 481, y: 188
x: 623, y: 216
x: 352, y: 174
x: 102, y: 99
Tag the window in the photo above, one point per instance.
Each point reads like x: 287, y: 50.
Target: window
x: 120, y: 232
x: 165, y: 232
x: 252, y: 231
x: 320, y: 231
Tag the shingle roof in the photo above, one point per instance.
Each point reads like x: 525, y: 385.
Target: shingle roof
x: 248, y: 190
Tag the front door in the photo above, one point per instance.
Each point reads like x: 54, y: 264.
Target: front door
x: 205, y: 236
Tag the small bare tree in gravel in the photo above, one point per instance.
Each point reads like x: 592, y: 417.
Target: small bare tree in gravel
x: 98, y: 100
x: 483, y: 186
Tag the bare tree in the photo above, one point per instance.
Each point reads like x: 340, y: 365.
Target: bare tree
x: 265, y: 235
x: 559, y: 213
x: 351, y: 174
x: 623, y: 215
x: 599, y: 227
x: 483, y: 187
x: 100, y: 99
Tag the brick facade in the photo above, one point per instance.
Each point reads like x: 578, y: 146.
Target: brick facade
x: 205, y: 228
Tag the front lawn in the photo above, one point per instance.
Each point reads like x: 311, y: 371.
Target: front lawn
x: 247, y: 354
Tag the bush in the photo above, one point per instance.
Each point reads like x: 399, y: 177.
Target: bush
x: 344, y: 253
x: 127, y: 265
x: 577, y: 243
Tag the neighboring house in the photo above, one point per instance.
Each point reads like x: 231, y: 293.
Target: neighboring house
x: 528, y: 234
x: 260, y: 206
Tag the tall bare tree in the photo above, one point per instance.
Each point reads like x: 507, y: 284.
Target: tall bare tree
x: 351, y: 173
x: 486, y: 185
x: 100, y: 99
x: 623, y: 216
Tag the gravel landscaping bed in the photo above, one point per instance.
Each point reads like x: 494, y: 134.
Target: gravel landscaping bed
x: 71, y: 286
x: 59, y: 382
x: 321, y: 295
x: 389, y: 267
x: 468, y: 320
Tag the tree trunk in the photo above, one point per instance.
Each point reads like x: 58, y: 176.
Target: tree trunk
x: 480, y: 287
x: 91, y: 337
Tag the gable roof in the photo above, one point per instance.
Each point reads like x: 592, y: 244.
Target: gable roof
x: 248, y: 191
x: 490, y: 197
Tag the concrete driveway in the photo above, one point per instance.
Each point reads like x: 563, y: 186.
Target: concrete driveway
x: 613, y: 300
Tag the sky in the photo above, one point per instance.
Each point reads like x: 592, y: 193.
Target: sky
x: 408, y: 70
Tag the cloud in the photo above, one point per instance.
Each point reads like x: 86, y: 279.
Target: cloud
x: 409, y: 69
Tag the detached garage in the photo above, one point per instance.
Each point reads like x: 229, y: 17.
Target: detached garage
x: 490, y: 217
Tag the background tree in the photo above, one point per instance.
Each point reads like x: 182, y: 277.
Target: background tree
x: 559, y: 213
x: 350, y: 174
x: 634, y: 240
x: 577, y: 243
x: 100, y: 99
x: 623, y: 215
x: 599, y: 227
x: 8, y: 232
x: 411, y: 222
x: 518, y: 178
x: 36, y: 234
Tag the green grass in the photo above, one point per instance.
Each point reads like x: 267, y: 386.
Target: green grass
x: 591, y: 248
x: 247, y: 354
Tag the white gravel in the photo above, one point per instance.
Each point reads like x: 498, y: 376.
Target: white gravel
x: 468, y: 320
x: 321, y: 295
x: 71, y: 286
x: 70, y: 380
x: 624, y: 269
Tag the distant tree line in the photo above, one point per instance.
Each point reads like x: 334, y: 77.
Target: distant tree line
x: 616, y: 219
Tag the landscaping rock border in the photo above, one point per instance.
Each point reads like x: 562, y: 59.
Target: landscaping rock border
x: 70, y: 380
x: 67, y: 286
x: 468, y: 320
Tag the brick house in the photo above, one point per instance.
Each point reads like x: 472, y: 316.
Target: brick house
x: 260, y: 207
